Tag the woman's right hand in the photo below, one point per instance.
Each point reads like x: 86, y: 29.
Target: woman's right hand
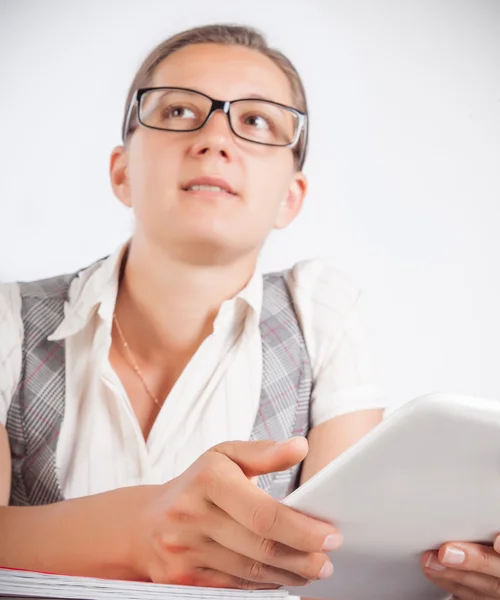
x: 212, y: 526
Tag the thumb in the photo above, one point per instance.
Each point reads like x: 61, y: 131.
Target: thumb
x: 259, y: 458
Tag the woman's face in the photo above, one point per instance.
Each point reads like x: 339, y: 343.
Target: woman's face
x: 151, y: 175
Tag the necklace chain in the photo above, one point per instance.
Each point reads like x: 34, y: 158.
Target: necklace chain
x: 133, y: 362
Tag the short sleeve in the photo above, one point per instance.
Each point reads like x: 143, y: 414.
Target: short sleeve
x: 339, y: 342
x: 11, y: 340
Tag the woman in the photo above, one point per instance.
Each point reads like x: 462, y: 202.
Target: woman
x: 122, y: 384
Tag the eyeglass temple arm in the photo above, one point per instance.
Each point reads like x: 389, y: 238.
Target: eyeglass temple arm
x: 126, y: 124
x: 305, y: 132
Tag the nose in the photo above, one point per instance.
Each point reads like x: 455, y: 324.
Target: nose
x: 215, y: 138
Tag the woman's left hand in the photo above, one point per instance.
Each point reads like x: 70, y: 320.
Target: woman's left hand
x: 468, y: 571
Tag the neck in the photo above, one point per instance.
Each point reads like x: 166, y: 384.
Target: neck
x: 168, y: 307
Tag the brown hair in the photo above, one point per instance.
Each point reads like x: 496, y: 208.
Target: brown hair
x: 228, y: 35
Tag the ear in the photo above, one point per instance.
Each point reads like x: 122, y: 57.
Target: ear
x: 118, y: 174
x: 291, y: 206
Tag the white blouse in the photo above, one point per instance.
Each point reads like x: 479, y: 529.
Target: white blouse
x: 215, y: 399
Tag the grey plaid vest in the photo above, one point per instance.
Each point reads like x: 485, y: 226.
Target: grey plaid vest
x: 37, y: 410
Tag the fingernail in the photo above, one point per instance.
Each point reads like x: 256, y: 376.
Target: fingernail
x: 326, y: 570
x: 296, y: 440
x: 453, y: 556
x: 496, y: 544
x: 433, y: 563
x: 332, y: 542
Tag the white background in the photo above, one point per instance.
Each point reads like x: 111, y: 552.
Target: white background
x: 404, y: 165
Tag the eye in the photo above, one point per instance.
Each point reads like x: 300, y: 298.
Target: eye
x: 178, y: 112
x: 256, y: 121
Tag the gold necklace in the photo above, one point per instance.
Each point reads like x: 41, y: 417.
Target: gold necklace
x: 134, y: 364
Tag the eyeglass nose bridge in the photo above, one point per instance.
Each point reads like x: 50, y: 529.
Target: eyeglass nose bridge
x: 224, y: 106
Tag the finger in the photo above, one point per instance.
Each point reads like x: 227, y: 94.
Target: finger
x: 459, y: 582
x: 257, y: 511
x: 496, y: 544
x: 262, y: 457
x: 470, y: 557
x: 248, y: 569
x: 460, y: 592
x: 206, y: 577
x: 233, y: 535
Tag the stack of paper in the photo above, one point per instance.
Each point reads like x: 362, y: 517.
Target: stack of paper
x: 30, y: 584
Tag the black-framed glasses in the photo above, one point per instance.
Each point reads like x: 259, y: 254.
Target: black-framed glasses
x: 182, y: 109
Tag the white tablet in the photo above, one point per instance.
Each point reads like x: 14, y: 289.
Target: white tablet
x: 429, y: 474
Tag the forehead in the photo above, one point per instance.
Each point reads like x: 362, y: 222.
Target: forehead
x: 224, y: 73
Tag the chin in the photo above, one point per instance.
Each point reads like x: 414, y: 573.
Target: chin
x: 208, y: 248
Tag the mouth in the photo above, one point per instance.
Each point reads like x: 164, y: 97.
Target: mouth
x: 209, y: 186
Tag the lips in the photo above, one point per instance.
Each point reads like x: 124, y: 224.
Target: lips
x: 210, y: 184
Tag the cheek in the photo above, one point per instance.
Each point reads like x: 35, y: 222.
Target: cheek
x: 153, y: 172
x: 270, y: 188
